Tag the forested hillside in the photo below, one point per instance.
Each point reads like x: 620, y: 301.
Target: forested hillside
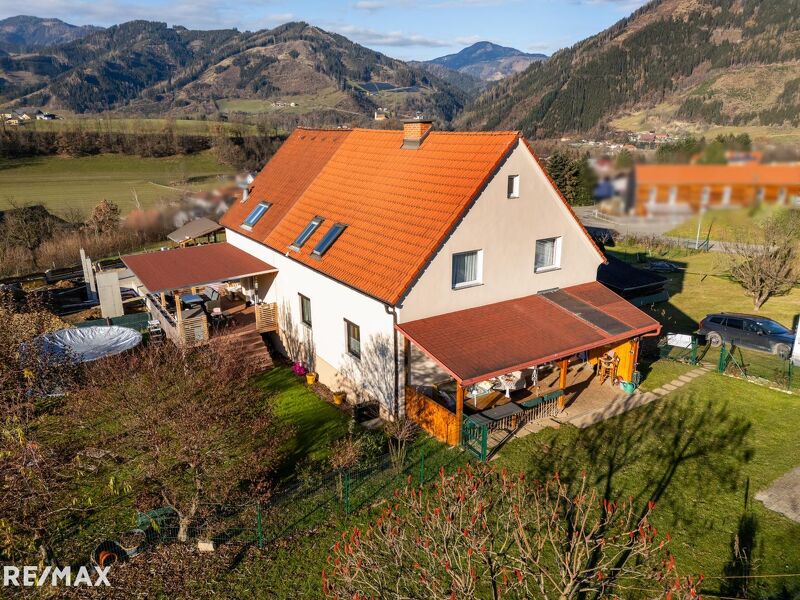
x: 714, y: 61
x: 150, y: 68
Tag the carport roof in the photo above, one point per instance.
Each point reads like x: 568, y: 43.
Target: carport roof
x: 198, y: 265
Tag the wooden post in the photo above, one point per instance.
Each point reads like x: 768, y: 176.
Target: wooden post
x: 178, y: 310
x: 406, y: 362
x: 562, y: 379
x: 459, y: 408
x: 634, y: 358
x: 163, y: 301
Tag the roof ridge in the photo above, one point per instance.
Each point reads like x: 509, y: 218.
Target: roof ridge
x: 440, y: 132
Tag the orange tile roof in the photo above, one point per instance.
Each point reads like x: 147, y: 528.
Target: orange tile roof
x: 740, y: 174
x: 284, y: 178
x: 399, y: 204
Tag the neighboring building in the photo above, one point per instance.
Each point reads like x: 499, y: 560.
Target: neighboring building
x: 398, y: 260
x: 684, y: 189
x: 381, y: 114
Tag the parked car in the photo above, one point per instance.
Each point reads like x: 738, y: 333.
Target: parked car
x: 750, y: 331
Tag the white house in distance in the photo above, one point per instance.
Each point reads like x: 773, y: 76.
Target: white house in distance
x: 423, y: 269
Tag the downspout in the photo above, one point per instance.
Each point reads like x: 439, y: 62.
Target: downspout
x: 390, y: 310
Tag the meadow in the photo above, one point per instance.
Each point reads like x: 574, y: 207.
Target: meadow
x: 62, y: 183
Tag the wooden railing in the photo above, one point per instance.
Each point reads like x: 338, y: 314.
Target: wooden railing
x: 188, y: 332
x: 432, y: 416
x: 193, y: 331
x: 266, y: 317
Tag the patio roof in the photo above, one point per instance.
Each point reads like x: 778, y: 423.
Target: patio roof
x: 479, y: 343
x: 198, y: 265
x: 194, y: 229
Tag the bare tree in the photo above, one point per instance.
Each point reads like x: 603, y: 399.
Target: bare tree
x: 191, y: 424
x: 28, y: 226
x: 480, y: 533
x: 105, y: 218
x: 764, y: 259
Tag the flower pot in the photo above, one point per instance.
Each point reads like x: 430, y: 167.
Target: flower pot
x: 311, y: 378
x: 338, y: 398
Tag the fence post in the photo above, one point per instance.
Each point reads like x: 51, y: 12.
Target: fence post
x: 422, y: 468
x: 721, y: 364
x: 259, y: 529
x: 694, y: 350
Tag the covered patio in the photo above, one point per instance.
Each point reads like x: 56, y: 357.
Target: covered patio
x: 201, y: 291
x: 499, y: 367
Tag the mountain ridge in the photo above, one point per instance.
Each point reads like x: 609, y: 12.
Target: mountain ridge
x: 24, y: 33
x: 487, y: 61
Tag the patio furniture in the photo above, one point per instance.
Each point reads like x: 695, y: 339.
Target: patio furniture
x: 533, y: 402
x: 504, y: 416
x: 510, y: 382
x: 607, y: 367
x: 479, y: 420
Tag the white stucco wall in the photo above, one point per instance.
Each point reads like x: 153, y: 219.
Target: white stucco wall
x: 331, y: 304
x: 506, y: 229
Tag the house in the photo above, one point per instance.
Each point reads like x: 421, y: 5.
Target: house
x: 686, y: 189
x: 421, y: 270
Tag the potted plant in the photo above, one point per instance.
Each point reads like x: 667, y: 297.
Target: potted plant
x: 298, y: 369
x: 339, y: 397
x: 311, y: 377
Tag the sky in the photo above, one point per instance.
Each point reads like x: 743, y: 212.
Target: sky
x: 404, y: 29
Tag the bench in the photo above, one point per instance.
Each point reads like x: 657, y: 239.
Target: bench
x: 533, y: 402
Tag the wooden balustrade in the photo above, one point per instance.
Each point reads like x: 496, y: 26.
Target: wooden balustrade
x: 432, y: 416
x: 266, y: 317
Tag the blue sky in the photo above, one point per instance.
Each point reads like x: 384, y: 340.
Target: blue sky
x: 406, y: 29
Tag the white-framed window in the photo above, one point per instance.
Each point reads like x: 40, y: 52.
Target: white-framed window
x: 513, y: 186
x: 548, y: 255
x: 653, y: 195
x: 726, y: 195
x: 673, y: 195
x: 467, y: 269
x: 782, y: 197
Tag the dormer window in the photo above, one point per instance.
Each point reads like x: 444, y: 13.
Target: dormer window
x: 255, y: 215
x: 513, y: 186
x: 327, y: 240
x: 307, y: 232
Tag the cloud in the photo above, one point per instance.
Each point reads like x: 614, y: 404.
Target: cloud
x: 372, y: 37
x: 369, y: 5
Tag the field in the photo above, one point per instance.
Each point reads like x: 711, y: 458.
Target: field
x: 721, y: 225
x: 67, y: 183
x: 141, y: 125
x: 327, y: 99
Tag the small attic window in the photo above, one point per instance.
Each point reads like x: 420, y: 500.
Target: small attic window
x: 307, y: 232
x: 327, y: 240
x: 513, y: 186
x: 255, y: 215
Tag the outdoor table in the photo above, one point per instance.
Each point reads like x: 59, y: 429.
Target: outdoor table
x: 501, y: 412
x: 479, y: 419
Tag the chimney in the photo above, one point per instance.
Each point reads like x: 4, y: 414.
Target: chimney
x: 414, y: 132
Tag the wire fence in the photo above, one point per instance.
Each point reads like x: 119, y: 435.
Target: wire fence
x: 312, y: 499
x: 755, y: 366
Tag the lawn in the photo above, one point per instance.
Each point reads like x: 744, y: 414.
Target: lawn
x: 721, y: 225
x: 701, y: 287
x: 142, y: 125
x: 701, y: 453
x: 62, y: 183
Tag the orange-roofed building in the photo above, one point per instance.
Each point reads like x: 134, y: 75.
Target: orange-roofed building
x: 406, y: 263
x: 685, y: 189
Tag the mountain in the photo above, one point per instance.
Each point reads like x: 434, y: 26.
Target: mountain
x: 297, y: 72
x: 671, y: 64
x: 487, y: 61
x: 24, y: 33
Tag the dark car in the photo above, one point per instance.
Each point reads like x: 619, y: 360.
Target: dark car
x: 749, y: 331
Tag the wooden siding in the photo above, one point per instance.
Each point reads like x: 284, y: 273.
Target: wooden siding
x: 266, y: 317
x: 432, y: 417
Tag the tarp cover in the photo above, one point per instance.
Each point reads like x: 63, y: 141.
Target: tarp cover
x: 90, y: 343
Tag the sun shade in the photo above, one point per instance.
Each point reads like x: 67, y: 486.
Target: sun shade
x: 479, y: 343
x: 194, y: 229
x: 188, y: 267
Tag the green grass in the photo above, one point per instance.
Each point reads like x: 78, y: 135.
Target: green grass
x: 699, y: 453
x: 64, y: 183
x: 721, y: 225
x: 142, y: 125
x: 315, y: 423
x: 702, y: 287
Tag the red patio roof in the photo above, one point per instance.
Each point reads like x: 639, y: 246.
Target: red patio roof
x: 197, y: 265
x: 479, y: 343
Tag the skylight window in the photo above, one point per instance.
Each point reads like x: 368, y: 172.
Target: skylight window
x: 307, y: 232
x: 327, y: 240
x: 256, y: 214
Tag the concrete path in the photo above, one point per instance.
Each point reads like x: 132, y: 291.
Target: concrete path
x: 783, y: 496
x: 620, y: 404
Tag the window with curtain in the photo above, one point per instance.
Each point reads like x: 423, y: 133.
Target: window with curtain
x: 548, y: 254
x: 353, y: 339
x: 305, y: 310
x: 467, y: 268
